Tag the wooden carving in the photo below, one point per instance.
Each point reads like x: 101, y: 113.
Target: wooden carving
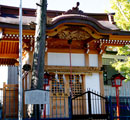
x: 73, y: 35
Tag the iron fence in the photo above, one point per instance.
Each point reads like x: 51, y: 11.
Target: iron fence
x: 124, y: 108
x: 89, y: 105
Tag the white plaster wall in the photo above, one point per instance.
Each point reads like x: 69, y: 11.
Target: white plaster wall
x: 93, y: 60
x: 78, y: 60
x: 93, y: 83
x: 3, y: 78
x: 12, y: 75
x: 63, y: 59
x: 3, y: 75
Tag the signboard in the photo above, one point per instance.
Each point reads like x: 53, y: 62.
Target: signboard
x: 37, y: 97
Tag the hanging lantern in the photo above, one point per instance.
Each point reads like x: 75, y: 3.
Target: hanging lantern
x: 117, y: 80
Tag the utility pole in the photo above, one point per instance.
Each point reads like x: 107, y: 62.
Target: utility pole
x: 20, y: 89
x: 39, y: 50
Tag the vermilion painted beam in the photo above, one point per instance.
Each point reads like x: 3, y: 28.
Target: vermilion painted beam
x: 15, y: 56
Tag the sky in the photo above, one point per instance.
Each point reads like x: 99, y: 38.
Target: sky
x: 90, y: 6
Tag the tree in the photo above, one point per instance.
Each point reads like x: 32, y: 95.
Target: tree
x: 122, y: 19
x: 122, y: 10
x: 123, y: 66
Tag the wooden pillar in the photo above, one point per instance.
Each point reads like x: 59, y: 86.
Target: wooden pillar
x: 30, y: 62
x: 99, y: 60
x: 86, y: 59
x: 84, y: 97
x: 95, y: 49
x: 101, y: 74
x: 46, y: 58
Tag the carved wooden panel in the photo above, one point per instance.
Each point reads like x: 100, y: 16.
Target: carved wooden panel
x: 73, y: 35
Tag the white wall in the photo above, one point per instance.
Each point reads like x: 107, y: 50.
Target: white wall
x: 12, y: 75
x: 93, y: 60
x: 93, y: 83
x: 63, y: 59
x: 3, y: 75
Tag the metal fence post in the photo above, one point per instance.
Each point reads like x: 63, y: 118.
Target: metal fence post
x: 111, y: 110
x: 70, y: 107
x: 107, y: 107
x: 89, y: 103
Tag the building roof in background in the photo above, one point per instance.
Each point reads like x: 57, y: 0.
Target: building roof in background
x: 10, y: 16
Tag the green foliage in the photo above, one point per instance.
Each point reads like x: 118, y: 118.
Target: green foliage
x: 125, y: 51
x: 122, y: 10
x: 122, y: 19
x: 123, y: 66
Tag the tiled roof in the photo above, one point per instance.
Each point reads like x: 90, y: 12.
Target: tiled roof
x: 9, y: 19
x: 10, y: 15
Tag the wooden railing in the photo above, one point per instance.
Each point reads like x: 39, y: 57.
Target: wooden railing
x: 10, y: 101
x: 9, y: 97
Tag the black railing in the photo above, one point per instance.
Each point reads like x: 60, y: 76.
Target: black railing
x: 124, y: 107
x: 89, y: 105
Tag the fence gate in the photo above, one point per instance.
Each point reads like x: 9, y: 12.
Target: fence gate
x: 90, y: 105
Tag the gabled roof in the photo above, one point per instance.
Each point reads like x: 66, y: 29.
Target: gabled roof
x: 90, y: 25
x: 10, y: 16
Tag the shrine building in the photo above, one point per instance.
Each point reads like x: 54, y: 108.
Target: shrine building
x: 75, y: 44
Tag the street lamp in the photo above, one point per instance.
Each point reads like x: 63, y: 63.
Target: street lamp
x: 117, y: 82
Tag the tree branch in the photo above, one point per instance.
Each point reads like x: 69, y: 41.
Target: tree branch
x: 120, y: 8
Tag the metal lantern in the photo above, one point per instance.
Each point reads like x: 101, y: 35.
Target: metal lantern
x: 46, y: 79
x: 117, y: 80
